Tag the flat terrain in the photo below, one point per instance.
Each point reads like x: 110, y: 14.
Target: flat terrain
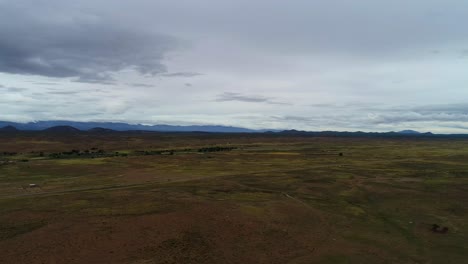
x: 146, y: 198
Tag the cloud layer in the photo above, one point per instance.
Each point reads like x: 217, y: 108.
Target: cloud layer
x: 316, y: 65
x: 38, y: 41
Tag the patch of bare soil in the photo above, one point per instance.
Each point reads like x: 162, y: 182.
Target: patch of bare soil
x: 207, y: 233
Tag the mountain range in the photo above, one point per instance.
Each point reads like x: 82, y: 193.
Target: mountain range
x: 63, y: 126
x: 42, y: 125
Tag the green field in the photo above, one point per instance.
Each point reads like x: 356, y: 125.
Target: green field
x: 234, y: 198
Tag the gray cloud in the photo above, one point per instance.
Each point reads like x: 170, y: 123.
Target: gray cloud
x: 230, y: 96
x: 96, y: 78
x: 64, y: 92
x: 16, y: 89
x: 441, y: 113
x: 144, y: 85
x: 363, y: 29
x: 46, y: 83
x: 412, y: 117
x: 345, y: 65
x: 13, y: 89
x: 443, y: 108
x: 378, y: 118
x: 291, y: 118
x: 464, y: 53
x: 182, y: 74
x: 82, y: 46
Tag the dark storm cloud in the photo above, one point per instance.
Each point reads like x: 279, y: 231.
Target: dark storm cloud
x: 229, y: 96
x: 82, y: 46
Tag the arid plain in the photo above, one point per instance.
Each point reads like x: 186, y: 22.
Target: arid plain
x: 115, y: 197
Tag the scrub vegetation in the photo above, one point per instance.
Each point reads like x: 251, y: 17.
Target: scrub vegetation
x: 231, y: 198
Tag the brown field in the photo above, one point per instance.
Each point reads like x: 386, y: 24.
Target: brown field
x: 146, y: 198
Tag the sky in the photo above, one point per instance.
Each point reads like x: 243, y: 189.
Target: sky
x: 347, y: 65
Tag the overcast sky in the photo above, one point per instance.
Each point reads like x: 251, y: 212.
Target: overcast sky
x: 369, y: 65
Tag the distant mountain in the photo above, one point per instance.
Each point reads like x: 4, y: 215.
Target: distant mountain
x: 108, y: 127
x: 408, y: 132
x: 8, y: 129
x: 62, y: 129
x: 100, y: 130
x: 41, y: 125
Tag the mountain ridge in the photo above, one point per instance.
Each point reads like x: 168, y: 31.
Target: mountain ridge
x: 120, y: 126
x: 108, y: 127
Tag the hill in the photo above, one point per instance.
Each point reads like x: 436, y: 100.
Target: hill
x: 413, y: 132
x: 100, y: 130
x: 8, y: 129
x: 62, y: 129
